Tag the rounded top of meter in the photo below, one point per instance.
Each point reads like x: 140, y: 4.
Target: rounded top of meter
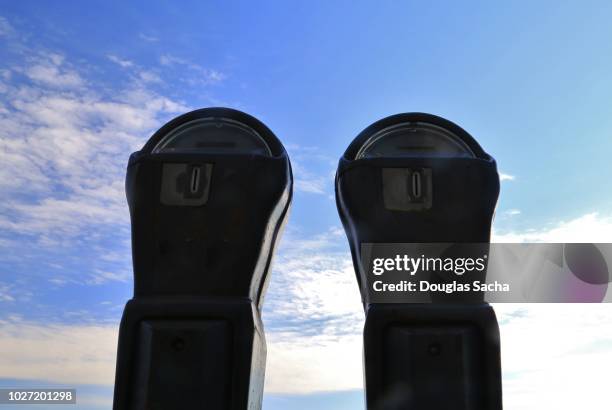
x: 215, y: 131
x: 414, y: 135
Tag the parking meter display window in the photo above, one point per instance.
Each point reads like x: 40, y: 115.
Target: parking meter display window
x: 213, y: 136
x: 414, y: 140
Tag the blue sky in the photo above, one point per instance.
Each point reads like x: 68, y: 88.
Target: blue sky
x: 82, y: 85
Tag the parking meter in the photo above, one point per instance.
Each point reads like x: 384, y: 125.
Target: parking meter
x: 418, y: 178
x: 208, y: 195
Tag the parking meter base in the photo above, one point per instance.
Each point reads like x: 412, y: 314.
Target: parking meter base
x: 435, y: 357
x: 183, y: 353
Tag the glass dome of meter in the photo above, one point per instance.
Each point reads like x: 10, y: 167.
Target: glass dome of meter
x: 415, y: 139
x: 213, y: 136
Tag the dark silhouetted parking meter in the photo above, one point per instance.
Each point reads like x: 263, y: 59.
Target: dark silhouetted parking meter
x: 418, y: 178
x: 208, y: 195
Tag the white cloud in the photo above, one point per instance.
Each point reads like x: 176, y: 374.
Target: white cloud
x: 313, y: 316
x: 146, y: 37
x: 310, y: 185
x: 12, y: 295
x: 556, y: 356
x: 68, y: 152
x: 313, y: 280
x: 589, y: 228
x: 139, y: 74
x: 120, y: 61
x: 5, y: 294
x: 49, y: 70
x: 203, y: 75
x: 100, y: 276
x: 304, y: 160
x: 506, y: 177
x: 149, y: 77
x: 314, y: 364
x: 83, y: 354
x: 167, y: 59
x: 513, y: 212
x: 54, y: 75
x: 6, y: 29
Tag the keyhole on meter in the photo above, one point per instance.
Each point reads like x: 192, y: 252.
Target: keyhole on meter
x: 194, y: 184
x: 417, y: 185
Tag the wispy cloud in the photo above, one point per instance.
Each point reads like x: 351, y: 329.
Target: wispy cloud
x: 136, y: 71
x: 52, y: 72
x: 312, y: 170
x: 67, y: 150
x: 5, y: 294
x: 310, y: 184
x: 6, y: 29
x: 120, y: 61
x: 314, y: 286
x: 101, y: 276
x: 149, y: 77
x: 149, y: 38
x: 203, y: 75
x: 506, y: 177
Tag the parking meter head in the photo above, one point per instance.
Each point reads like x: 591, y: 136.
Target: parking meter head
x: 208, y: 195
x: 415, y: 178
